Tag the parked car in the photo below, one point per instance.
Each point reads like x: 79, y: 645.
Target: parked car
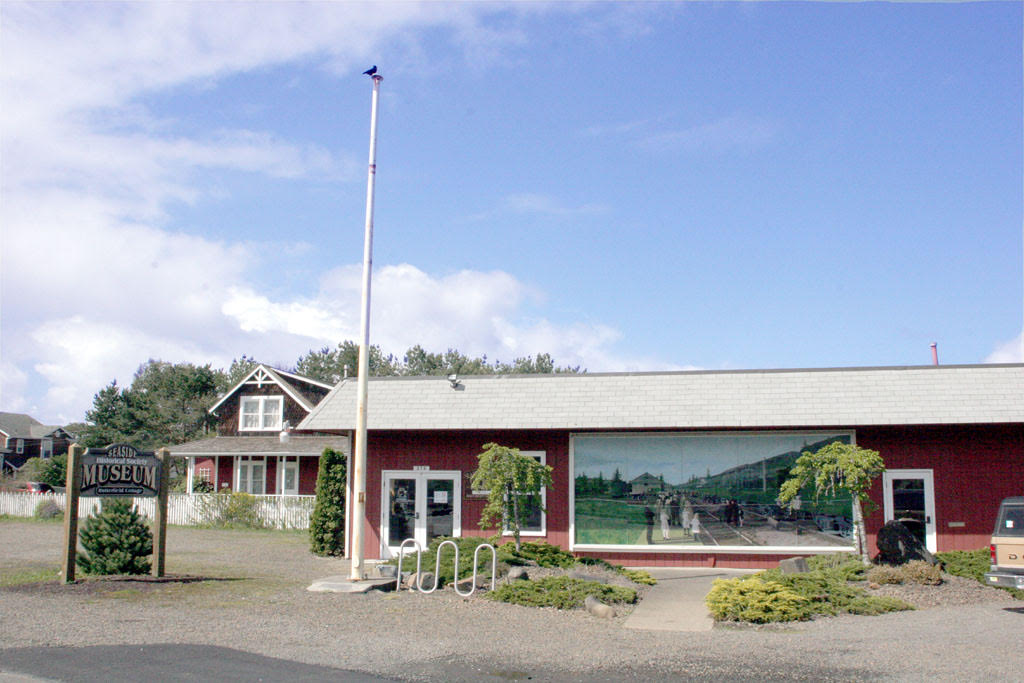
x: 35, y: 487
x: 1007, y: 546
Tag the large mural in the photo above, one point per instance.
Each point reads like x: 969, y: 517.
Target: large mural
x: 701, y: 490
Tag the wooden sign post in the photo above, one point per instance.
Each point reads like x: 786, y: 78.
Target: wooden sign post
x: 160, y: 523
x: 73, y: 483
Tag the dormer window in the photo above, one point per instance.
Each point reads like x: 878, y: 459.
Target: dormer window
x: 261, y: 413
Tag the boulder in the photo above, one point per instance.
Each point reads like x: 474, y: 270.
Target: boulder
x: 518, y: 574
x: 598, y: 608
x: 387, y: 571
x: 413, y: 580
x: 897, y: 545
x: 794, y: 565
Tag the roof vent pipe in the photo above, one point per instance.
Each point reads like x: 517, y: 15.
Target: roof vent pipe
x: 935, y: 353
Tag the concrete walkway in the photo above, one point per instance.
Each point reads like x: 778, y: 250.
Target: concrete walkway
x: 677, y: 602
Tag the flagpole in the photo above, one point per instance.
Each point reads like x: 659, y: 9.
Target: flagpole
x: 359, y: 475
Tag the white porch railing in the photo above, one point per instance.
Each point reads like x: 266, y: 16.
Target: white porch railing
x: 281, y: 512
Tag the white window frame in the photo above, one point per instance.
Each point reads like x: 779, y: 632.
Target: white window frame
x: 284, y: 464
x: 261, y: 402
x: 46, y: 448
x: 247, y: 461
x: 542, y: 457
x: 19, y: 446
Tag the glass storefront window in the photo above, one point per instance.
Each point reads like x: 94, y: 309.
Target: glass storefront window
x: 692, y: 490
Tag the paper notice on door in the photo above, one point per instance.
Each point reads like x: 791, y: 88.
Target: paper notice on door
x: 440, y: 497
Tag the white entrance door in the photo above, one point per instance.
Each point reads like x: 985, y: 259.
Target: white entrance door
x: 910, y: 498
x: 421, y: 505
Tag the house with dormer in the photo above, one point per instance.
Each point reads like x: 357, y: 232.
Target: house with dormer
x: 256, y: 448
x: 23, y: 437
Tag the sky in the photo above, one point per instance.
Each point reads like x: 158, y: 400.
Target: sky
x: 626, y: 186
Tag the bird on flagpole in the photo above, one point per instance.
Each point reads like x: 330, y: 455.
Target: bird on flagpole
x: 371, y: 71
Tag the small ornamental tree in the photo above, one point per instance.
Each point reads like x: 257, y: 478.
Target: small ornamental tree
x: 511, y: 480
x: 834, y: 468
x: 327, y: 525
x: 116, y: 541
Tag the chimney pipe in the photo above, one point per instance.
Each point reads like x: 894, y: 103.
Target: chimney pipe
x: 935, y: 353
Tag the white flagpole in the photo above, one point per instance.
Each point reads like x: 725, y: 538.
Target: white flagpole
x: 359, y: 476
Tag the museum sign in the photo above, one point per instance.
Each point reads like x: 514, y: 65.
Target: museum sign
x: 120, y: 471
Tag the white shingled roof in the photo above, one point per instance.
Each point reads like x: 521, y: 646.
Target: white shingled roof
x: 833, y: 397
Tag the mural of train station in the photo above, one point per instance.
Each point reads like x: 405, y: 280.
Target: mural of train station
x: 701, y: 490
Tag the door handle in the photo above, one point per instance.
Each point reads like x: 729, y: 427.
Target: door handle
x: 927, y: 519
x: 415, y: 515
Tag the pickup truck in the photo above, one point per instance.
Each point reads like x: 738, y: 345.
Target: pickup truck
x: 1007, y: 548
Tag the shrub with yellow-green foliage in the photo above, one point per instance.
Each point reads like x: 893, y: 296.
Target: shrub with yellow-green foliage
x: 755, y: 600
x: 915, y: 571
x: 769, y: 596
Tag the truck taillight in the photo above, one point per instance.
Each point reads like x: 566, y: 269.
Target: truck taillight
x: 992, y: 553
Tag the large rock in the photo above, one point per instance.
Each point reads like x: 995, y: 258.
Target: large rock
x: 598, y: 608
x: 518, y: 574
x: 794, y: 565
x: 897, y: 545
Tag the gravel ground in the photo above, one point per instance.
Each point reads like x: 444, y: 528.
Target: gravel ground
x: 253, y: 599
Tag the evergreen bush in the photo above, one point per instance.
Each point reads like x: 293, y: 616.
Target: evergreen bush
x: 755, y: 600
x: 327, y: 524
x: 561, y: 592
x: 544, y: 554
x: 47, y: 509
x: 972, y: 564
x: 116, y: 541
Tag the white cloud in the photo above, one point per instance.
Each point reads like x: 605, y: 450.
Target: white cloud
x: 1008, y: 352
x: 545, y: 204
x: 737, y: 131
x: 96, y: 275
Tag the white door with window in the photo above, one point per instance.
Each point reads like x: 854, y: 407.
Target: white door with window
x: 421, y: 505
x: 250, y: 475
x: 288, y: 482
x: 909, y: 497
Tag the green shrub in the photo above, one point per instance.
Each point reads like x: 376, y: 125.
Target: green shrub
x: 231, y: 510
x: 823, y: 591
x: 755, y: 600
x: 47, y: 509
x: 561, y: 592
x: 972, y: 564
x: 544, y: 554
x: 873, y: 605
x: 116, y: 541
x: 327, y: 524
x: 851, y: 567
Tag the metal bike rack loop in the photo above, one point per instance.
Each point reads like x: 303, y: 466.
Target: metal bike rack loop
x: 437, y: 567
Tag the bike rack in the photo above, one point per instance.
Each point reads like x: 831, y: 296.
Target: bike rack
x: 437, y: 567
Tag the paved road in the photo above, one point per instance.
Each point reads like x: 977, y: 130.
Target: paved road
x: 162, y: 662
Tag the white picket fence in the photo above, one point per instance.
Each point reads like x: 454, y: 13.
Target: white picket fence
x: 281, y: 512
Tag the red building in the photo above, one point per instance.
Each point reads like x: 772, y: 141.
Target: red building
x: 952, y: 438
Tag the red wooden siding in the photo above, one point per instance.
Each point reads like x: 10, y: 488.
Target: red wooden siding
x: 974, y: 467
x: 308, y: 470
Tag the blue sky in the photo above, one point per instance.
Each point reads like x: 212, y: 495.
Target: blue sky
x: 625, y: 186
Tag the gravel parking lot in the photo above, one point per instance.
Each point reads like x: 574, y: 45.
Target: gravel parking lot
x: 253, y: 599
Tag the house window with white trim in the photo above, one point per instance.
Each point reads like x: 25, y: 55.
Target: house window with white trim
x: 19, y: 446
x: 536, y: 519
x: 250, y: 475
x: 260, y: 413
x: 46, y: 448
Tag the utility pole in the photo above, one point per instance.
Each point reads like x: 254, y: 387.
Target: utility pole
x: 359, y: 475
